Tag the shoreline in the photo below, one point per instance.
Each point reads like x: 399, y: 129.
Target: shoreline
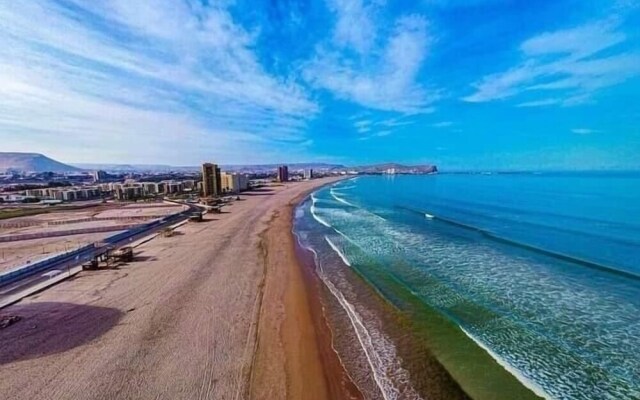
x: 534, y: 387
x: 294, y: 350
x: 195, y: 315
x: 227, y: 308
x: 454, y: 350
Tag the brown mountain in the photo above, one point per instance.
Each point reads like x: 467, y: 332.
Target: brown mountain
x: 32, y: 162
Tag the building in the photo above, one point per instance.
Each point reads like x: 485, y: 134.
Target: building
x: 308, y: 173
x: 99, y: 176
x: 189, y: 184
x: 74, y: 193
x: 173, y: 187
x: 211, y: 182
x: 150, y: 188
x: 283, y: 173
x: 39, y: 193
x: 128, y: 192
x: 234, y: 183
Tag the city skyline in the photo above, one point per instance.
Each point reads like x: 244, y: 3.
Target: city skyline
x: 463, y: 84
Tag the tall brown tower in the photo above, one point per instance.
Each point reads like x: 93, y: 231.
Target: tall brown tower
x: 211, y: 182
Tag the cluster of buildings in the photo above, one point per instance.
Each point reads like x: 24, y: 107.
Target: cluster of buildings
x: 131, y: 189
x: 283, y: 174
x: 64, y: 193
x: 216, y: 183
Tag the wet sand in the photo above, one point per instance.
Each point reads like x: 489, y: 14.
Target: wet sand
x: 294, y: 350
x: 219, y: 311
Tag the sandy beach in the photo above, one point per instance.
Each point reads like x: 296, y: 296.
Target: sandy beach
x: 218, y: 311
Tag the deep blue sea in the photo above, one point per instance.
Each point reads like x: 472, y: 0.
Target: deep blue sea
x: 550, y: 264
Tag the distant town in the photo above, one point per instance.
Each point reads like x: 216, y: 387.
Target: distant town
x: 32, y: 182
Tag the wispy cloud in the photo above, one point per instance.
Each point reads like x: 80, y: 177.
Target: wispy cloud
x: 584, y: 131
x: 442, y: 124
x: 369, y: 127
x: 374, y: 66
x: 354, y: 27
x: 146, y: 74
x: 573, y: 64
x: 541, y: 103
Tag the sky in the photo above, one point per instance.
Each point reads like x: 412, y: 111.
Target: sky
x: 464, y: 84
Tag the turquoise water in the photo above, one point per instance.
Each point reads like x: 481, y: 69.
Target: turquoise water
x: 542, y: 270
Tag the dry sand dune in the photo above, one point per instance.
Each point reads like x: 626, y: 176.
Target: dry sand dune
x: 180, y: 323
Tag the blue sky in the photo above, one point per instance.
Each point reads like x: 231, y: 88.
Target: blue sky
x: 466, y: 84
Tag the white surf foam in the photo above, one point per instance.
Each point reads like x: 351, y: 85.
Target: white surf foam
x: 375, y: 361
x: 340, y: 199
x: 429, y: 216
x: 313, y: 212
x: 346, y: 187
x: 337, y: 250
x: 531, y: 385
x: 378, y: 361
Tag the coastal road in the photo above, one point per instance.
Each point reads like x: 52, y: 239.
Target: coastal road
x: 181, y: 323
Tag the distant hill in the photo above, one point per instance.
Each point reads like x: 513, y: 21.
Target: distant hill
x: 32, y: 162
x: 126, y: 168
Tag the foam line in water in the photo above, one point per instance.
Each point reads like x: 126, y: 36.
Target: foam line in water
x: 313, y: 212
x: 531, y: 385
x: 429, y: 216
x: 340, y: 199
x: 536, y: 225
x: 337, y: 250
x: 526, y: 246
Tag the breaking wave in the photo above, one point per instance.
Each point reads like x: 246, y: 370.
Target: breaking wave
x: 314, y: 214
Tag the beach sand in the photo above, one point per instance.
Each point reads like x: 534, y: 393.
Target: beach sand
x: 219, y: 311
x: 294, y: 347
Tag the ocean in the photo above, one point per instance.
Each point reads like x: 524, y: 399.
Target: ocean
x: 541, y: 272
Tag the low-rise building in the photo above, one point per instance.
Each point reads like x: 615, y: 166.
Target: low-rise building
x: 129, y: 192
x: 150, y: 188
x: 173, y: 187
x: 233, y: 182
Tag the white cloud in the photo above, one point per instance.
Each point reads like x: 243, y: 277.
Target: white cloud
x: 354, y: 27
x: 577, y: 42
x: 570, y: 63
x: 120, y: 74
x: 371, y: 66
